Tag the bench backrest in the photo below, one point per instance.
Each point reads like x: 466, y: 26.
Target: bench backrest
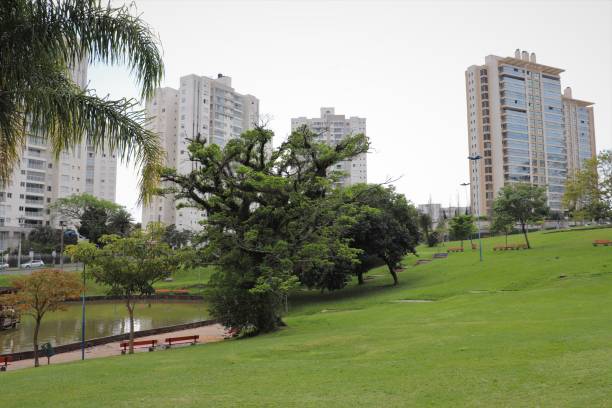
x: 6, y: 359
x: 183, y: 338
x: 139, y: 343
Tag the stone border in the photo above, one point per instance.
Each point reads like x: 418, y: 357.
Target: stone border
x: 142, y: 299
x: 24, y: 355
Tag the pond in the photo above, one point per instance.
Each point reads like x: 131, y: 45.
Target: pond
x: 102, y: 319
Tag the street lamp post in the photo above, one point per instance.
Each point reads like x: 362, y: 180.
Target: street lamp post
x: 62, y: 246
x: 21, y: 226
x: 475, y: 159
x: 467, y: 199
x: 83, y: 316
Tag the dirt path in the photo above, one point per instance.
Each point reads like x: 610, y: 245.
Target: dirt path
x: 207, y: 334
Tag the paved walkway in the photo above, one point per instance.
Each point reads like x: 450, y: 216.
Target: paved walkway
x: 207, y: 334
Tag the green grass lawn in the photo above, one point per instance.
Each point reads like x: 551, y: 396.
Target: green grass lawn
x: 521, y: 329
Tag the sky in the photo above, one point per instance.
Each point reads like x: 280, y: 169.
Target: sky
x: 399, y: 64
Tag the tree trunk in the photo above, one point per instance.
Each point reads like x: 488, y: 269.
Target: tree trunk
x: 461, y: 244
x: 360, y: 277
x: 130, y: 308
x: 393, y: 273
x: 506, y: 239
x: 525, y: 234
x: 35, y: 341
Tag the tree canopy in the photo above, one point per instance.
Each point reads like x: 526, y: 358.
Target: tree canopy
x: 94, y: 216
x: 42, y: 40
x: 523, y: 203
x: 386, y: 226
x: 268, y: 222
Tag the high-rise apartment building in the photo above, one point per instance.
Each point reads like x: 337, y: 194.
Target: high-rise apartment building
x: 524, y: 128
x: 39, y: 179
x: 331, y: 129
x: 202, y: 105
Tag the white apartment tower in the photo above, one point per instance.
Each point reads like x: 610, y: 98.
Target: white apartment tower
x: 331, y: 129
x: 39, y: 179
x: 524, y: 128
x: 202, y: 105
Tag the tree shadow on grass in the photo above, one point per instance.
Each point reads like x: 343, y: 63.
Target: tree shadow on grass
x: 304, y: 297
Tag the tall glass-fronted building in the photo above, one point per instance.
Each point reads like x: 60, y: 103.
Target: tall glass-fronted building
x: 524, y: 128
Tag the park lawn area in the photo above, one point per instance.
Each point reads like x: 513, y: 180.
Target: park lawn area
x: 521, y: 329
x: 194, y: 280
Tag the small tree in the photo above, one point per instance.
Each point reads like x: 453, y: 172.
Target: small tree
x: 462, y: 226
x: 503, y: 223
x: 176, y: 238
x: 523, y: 203
x: 131, y: 265
x: 426, y: 225
x: 41, y: 292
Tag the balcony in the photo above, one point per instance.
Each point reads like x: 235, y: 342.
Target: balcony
x: 34, y: 176
x: 35, y: 202
x: 36, y: 164
x: 34, y: 214
x: 34, y: 190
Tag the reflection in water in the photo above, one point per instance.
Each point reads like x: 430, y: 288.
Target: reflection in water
x: 102, y: 319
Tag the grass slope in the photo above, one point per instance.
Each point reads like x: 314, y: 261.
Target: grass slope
x: 523, y: 328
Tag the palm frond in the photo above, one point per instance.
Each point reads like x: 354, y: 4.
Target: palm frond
x: 39, y: 41
x: 70, y: 116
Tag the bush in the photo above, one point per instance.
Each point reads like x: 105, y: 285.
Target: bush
x: 433, y: 239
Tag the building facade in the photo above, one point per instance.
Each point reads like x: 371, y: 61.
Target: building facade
x: 524, y: 128
x: 203, y: 106
x: 39, y: 179
x: 331, y: 129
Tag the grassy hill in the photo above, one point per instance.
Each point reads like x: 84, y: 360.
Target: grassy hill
x: 523, y: 328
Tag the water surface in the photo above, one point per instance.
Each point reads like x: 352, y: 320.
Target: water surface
x: 102, y: 319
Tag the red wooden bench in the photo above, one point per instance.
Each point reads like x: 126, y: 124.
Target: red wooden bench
x: 455, y: 249
x: 183, y: 339
x: 151, y: 344
x: 603, y: 242
x: 4, y: 362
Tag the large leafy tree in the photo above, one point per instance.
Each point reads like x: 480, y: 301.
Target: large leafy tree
x: 462, y: 227
x: 40, y: 41
x: 71, y: 208
x: 130, y: 266
x: 386, y: 227
x: 523, y: 203
x: 93, y: 216
x: 40, y: 293
x: 268, y: 220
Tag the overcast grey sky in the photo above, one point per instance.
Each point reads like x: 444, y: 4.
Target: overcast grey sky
x: 400, y: 64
